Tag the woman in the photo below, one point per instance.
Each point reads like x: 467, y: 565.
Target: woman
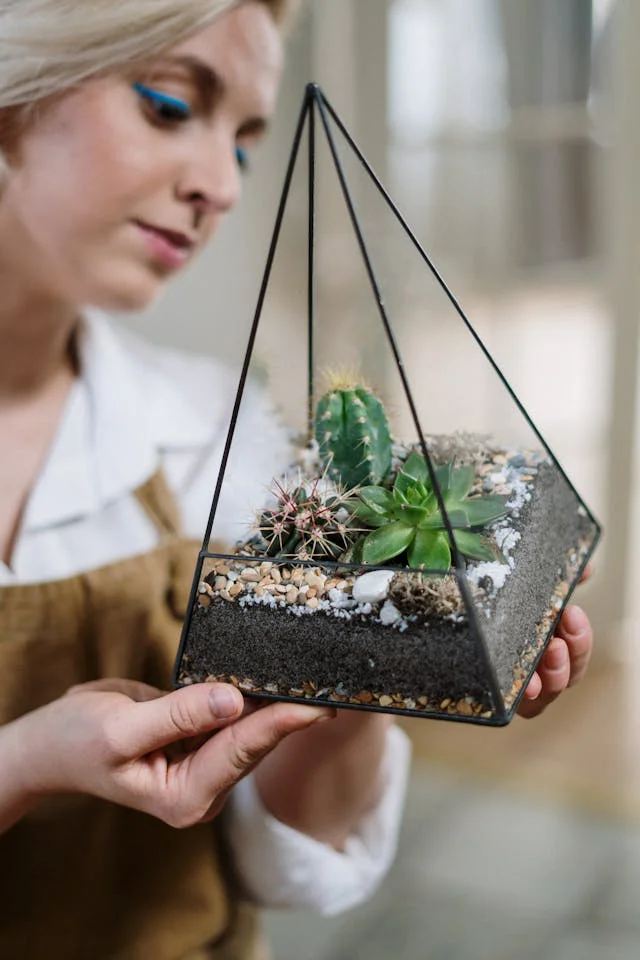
x: 124, y: 128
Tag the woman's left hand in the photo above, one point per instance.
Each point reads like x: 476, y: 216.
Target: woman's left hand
x: 563, y: 663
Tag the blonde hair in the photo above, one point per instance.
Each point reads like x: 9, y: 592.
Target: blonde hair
x: 49, y: 46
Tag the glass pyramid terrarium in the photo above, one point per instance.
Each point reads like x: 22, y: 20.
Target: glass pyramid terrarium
x: 402, y: 559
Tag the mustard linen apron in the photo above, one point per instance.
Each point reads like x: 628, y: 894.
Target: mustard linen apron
x: 81, y: 878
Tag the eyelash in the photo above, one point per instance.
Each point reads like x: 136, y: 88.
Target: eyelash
x: 242, y: 158
x: 172, y: 110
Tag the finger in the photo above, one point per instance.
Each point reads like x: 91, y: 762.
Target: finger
x: 575, y: 629
x: 588, y: 572
x: 134, y: 689
x: 552, y: 678
x: 554, y: 669
x: 236, y: 750
x: 188, y: 712
x: 534, y: 687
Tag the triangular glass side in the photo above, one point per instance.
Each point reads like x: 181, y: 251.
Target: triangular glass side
x: 409, y: 555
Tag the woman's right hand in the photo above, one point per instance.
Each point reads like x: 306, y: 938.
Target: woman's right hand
x: 173, y: 755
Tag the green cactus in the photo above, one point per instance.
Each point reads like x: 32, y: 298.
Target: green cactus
x: 308, y: 521
x: 353, y: 436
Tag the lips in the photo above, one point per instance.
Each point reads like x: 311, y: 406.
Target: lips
x: 170, y: 247
x: 176, y: 237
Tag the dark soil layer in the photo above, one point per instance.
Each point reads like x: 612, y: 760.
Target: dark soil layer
x: 552, y: 529
x: 257, y: 642
x: 436, y: 661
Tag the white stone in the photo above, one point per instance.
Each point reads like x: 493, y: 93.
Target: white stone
x: 372, y: 587
x: 340, y: 599
x: 389, y: 614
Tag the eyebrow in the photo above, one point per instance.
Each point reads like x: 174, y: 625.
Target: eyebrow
x: 210, y: 84
x: 212, y: 87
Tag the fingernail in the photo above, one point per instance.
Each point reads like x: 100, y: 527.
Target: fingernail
x: 574, y: 620
x: 224, y: 702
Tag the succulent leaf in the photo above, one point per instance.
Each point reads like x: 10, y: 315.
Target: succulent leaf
x: 483, y: 510
x: 457, y: 519
x: 474, y: 546
x: 430, y: 549
x: 461, y: 482
x: 377, y: 499
x: 387, y: 542
x: 414, y: 470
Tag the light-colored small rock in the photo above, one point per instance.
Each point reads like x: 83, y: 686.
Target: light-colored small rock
x: 389, y: 613
x: 372, y: 587
x: 291, y: 595
x: 250, y: 575
x: 385, y: 701
x: 314, y: 580
x: 220, y: 583
x: 312, y: 602
x: 340, y: 599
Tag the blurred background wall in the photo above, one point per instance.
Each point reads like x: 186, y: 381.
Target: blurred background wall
x: 507, y: 131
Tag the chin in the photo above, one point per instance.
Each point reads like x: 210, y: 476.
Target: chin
x: 130, y: 295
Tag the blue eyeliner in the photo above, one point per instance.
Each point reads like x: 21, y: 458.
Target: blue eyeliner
x: 242, y: 156
x: 162, y: 98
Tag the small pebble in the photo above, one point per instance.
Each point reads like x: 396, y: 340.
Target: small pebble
x: 385, y: 701
x: 389, y: 613
x: 372, y: 587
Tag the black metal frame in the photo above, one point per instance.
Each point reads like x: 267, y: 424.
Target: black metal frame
x: 316, y: 104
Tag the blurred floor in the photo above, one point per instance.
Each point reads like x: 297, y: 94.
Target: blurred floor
x: 517, y: 844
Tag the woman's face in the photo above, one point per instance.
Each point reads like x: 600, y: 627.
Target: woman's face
x: 118, y: 184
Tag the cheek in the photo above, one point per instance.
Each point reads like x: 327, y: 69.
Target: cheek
x: 90, y: 169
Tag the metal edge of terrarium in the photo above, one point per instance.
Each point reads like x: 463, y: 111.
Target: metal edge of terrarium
x: 304, y: 111
x: 454, y: 302
x: 311, y: 249
x: 476, y: 631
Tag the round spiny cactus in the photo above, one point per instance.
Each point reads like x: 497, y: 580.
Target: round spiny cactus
x: 308, y: 521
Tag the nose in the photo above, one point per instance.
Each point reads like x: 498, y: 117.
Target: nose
x: 211, y: 182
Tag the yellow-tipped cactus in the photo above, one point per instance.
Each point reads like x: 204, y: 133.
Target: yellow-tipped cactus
x: 353, y: 435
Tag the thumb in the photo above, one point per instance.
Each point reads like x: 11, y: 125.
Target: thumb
x: 197, y: 709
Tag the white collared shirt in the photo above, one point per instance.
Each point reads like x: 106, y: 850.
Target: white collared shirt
x: 136, y: 407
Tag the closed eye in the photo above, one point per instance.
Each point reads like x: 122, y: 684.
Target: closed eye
x: 167, y: 108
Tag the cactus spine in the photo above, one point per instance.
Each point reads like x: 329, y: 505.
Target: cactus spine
x: 308, y: 522
x: 353, y: 436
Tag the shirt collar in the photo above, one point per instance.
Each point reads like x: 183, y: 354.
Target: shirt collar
x: 124, y: 410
